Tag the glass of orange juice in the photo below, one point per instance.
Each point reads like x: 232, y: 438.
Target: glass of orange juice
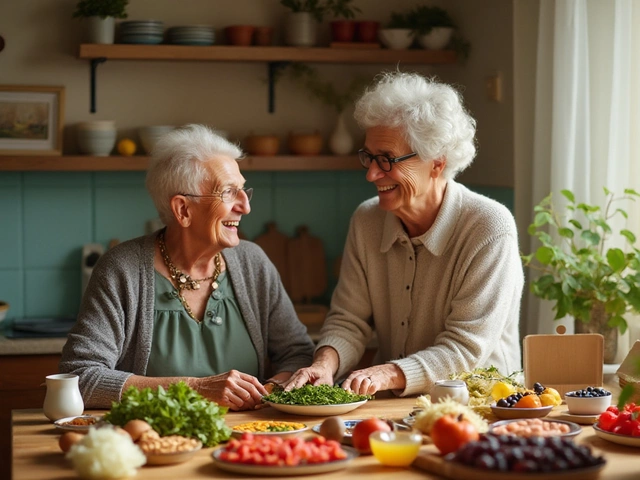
x: 395, y: 449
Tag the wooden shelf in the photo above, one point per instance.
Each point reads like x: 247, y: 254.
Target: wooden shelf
x: 84, y: 163
x: 263, y: 54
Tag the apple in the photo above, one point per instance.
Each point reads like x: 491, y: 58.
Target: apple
x: 362, y: 430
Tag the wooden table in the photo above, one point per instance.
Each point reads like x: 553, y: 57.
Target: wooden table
x: 36, y: 454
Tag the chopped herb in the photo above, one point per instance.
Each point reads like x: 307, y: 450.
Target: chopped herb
x: 179, y: 410
x: 315, y: 395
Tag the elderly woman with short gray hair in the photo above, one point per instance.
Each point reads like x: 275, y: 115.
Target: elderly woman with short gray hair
x: 191, y: 302
x: 431, y: 266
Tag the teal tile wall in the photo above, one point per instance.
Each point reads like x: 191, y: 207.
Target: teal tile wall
x: 46, y: 218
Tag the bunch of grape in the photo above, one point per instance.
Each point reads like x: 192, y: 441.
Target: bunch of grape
x: 512, y: 399
x: 508, y: 453
x: 538, y: 388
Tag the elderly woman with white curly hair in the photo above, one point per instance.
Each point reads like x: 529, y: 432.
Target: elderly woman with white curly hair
x: 431, y: 266
x: 191, y: 302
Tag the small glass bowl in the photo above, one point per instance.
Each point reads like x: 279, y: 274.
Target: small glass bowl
x: 395, y: 449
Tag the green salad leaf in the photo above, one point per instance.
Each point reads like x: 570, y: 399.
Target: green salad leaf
x: 315, y: 395
x: 178, y: 410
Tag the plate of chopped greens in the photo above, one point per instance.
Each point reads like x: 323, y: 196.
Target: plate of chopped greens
x: 316, y: 400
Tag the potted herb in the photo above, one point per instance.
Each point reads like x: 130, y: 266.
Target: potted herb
x: 398, y: 34
x: 433, y: 26
x: 301, y: 23
x: 342, y: 30
x: 596, y: 287
x: 101, y: 15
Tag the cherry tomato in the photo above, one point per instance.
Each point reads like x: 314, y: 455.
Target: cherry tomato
x: 613, y: 409
x: 362, y: 430
x: 607, y: 420
x: 449, y: 433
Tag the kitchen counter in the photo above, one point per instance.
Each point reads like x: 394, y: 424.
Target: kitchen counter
x: 31, y: 346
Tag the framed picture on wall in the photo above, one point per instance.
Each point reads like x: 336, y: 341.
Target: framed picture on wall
x: 31, y: 120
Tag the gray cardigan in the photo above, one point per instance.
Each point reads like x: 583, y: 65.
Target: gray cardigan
x: 111, y: 339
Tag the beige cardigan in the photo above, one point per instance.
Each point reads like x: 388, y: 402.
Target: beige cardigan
x: 447, y: 305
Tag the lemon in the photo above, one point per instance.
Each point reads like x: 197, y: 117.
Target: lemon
x: 553, y: 393
x: 501, y: 390
x: 126, y: 147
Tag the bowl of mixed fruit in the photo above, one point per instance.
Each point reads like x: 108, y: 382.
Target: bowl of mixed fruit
x: 534, y: 403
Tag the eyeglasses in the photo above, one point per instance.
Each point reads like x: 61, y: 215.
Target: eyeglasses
x: 227, y: 195
x: 384, y: 161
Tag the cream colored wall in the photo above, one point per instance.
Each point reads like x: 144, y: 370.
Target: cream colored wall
x: 41, y: 46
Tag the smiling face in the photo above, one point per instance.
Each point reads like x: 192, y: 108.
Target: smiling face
x: 214, y: 219
x: 413, y: 189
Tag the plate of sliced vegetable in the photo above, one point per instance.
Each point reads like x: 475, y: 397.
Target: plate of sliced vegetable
x: 305, y: 457
x: 269, y: 428
x: 316, y: 400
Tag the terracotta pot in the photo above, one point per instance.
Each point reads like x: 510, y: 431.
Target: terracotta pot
x: 241, y: 35
x: 263, y: 36
x: 343, y: 30
x: 265, y: 145
x: 305, y: 143
x: 367, y: 31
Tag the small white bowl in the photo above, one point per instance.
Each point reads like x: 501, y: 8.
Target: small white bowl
x: 436, y: 39
x: 107, y: 125
x: 150, y: 135
x: 586, y: 405
x: 4, y: 309
x: 396, y: 38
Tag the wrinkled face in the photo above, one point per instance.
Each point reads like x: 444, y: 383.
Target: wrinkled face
x: 406, y: 187
x: 214, y: 219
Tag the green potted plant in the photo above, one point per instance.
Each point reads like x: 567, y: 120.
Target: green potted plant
x: 342, y: 30
x: 302, y: 21
x: 433, y: 26
x: 100, y: 16
x: 398, y: 33
x: 596, y: 287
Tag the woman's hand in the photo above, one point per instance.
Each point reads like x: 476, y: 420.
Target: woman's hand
x: 320, y: 372
x: 375, y: 379
x: 234, y: 389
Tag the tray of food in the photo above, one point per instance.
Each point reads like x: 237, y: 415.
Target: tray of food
x: 315, y: 400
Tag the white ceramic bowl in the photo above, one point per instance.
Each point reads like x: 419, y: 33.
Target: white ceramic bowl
x: 150, y: 135
x: 96, y: 142
x: 586, y: 405
x: 436, y: 39
x: 98, y: 125
x: 396, y: 38
x: 4, y: 309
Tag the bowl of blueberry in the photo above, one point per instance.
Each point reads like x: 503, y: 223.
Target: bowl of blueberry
x: 588, y: 401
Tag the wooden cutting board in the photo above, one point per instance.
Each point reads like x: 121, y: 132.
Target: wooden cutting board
x: 274, y: 243
x: 307, y: 267
x: 564, y: 362
x: 428, y: 459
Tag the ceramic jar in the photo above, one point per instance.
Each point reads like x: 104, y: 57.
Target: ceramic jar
x: 263, y: 145
x: 63, y: 398
x: 454, y: 389
x: 240, y: 35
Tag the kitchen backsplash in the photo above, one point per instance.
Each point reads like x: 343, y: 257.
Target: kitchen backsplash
x: 46, y: 218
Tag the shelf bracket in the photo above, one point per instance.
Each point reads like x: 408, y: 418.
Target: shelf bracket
x: 274, y: 70
x: 94, y: 66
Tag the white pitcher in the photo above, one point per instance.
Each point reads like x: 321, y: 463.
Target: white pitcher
x: 454, y: 389
x: 63, y: 397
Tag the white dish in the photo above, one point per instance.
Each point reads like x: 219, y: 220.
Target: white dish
x: 282, y: 471
x: 574, y: 429
x: 627, y: 440
x: 349, y: 425
x: 172, y: 458
x: 61, y: 424
x: 317, y: 410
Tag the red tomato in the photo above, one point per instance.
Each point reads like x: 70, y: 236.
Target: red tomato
x: 362, y: 430
x: 449, y: 433
x: 613, y: 409
x: 607, y: 420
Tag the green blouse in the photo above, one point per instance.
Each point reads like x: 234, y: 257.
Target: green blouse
x: 182, y: 347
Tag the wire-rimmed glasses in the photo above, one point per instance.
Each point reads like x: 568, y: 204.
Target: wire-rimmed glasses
x: 227, y: 195
x: 384, y: 161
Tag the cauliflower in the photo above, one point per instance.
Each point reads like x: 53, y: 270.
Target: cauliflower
x: 433, y: 411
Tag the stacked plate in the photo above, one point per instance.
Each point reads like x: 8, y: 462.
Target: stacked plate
x: 191, y: 35
x: 147, y: 32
